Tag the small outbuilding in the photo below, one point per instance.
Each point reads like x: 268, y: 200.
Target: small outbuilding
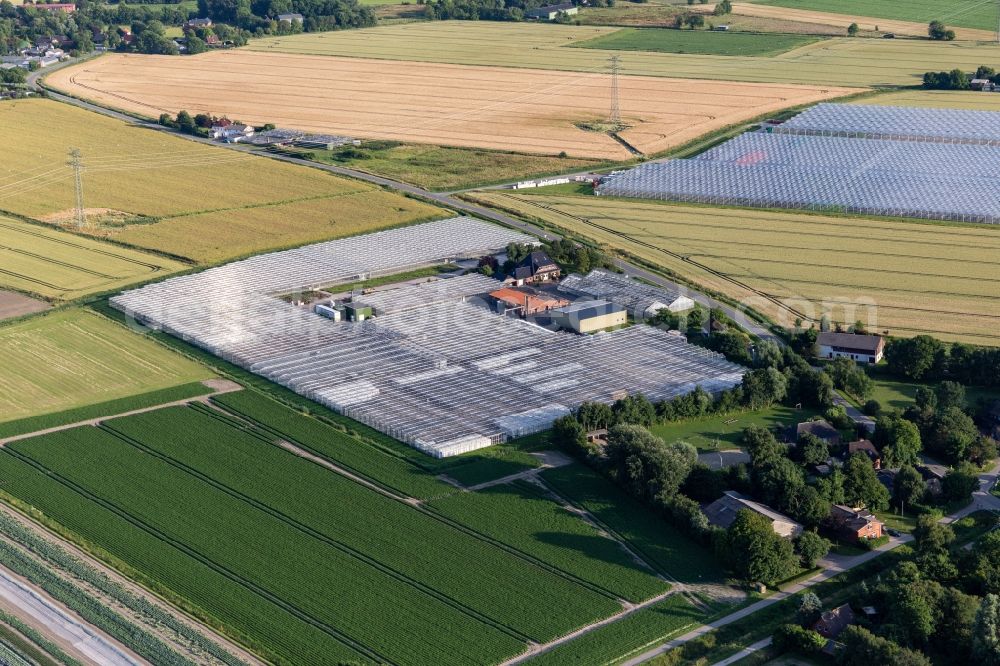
x: 866, y: 447
x: 357, y: 311
x: 589, y: 316
x: 551, y: 12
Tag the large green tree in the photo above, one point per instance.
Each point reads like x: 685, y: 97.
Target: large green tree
x: 986, y: 632
x: 898, y: 439
x: 861, y: 485
x: 755, y: 552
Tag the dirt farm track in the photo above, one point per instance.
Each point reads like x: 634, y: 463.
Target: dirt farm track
x: 502, y: 108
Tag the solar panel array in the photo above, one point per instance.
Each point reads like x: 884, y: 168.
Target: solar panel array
x: 442, y: 374
x: 897, y: 122
x: 898, y: 177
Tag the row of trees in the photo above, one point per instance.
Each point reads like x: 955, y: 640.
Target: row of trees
x: 259, y: 16
x: 928, y: 359
x: 958, y: 79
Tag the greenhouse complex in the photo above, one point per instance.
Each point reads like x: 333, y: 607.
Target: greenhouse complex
x: 924, y: 163
x: 434, y: 367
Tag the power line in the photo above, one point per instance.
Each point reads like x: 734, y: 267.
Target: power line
x: 76, y: 163
x: 615, y: 119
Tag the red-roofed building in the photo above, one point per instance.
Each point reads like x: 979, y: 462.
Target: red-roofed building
x: 526, y: 303
x: 65, y: 7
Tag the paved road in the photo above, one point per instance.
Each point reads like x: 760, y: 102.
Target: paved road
x: 745, y: 652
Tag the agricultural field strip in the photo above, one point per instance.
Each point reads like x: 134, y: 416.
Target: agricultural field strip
x: 627, y: 219
x: 223, y: 596
x: 380, y: 468
x: 966, y: 13
x: 564, y: 568
x: 794, y: 12
x: 612, y: 642
x: 531, y: 110
x: 520, y: 516
x: 55, y: 263
x: 639, y: 528
x: 68, y: 560
x: 342, y: 528
x: 835, y: 62
x: 295, y: 553
x: 70, y: 358
x: 339, y: 544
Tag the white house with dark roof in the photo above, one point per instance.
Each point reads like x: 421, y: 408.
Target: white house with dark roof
x: 855, y: 346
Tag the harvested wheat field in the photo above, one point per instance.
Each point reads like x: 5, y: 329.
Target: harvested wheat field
x: 524, y: 110
x: 907, y: 277
x: 870, y: 23
x: 156, y: 191
x: 834, y: 62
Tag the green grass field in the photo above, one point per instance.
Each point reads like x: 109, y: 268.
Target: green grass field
x: 521, y: 516
x: 660, y: 544
x: 834, y: 62
x: 300, y: 563
x: 719, y: 433
x: 965, y: 13
x: 899, y: 395
x: 156, y: 191
x: 908, y: 277
x: 614, y: 642
x: 441, y: 168
x: 59, y: 265
x: 73, y: 358
x: 701, y: 42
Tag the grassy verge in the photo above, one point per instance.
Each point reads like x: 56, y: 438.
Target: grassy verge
x: 381, y: 281
x: 446, y: 168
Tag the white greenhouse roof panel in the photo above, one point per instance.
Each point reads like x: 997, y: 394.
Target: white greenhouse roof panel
x: 897, y: 122
x: 438, y: 372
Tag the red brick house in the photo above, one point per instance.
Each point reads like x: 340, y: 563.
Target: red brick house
x: 854, y: 524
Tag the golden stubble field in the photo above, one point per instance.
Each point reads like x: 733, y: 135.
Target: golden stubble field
x: 160, y: 192
x: 834, y: 62
x: 524, y: 110
x: 907, y: 277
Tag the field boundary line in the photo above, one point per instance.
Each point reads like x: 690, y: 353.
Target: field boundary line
x: 314, y: 533
x: 97, y: 421
x: 195, y: 554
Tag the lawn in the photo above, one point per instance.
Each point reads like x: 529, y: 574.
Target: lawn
x: 965, y: 13
x: 833, y: 62
x: 700, y: 42
x: 73, y: 358
x: 521, y: 516
x: 658, y: 542
x: 894, y: 394
x: 58, y: 265
x: 442, y: 168
x: 719, y: 433
x: 161, y: 192
x: 303, y: 564
x: 908, y: 277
